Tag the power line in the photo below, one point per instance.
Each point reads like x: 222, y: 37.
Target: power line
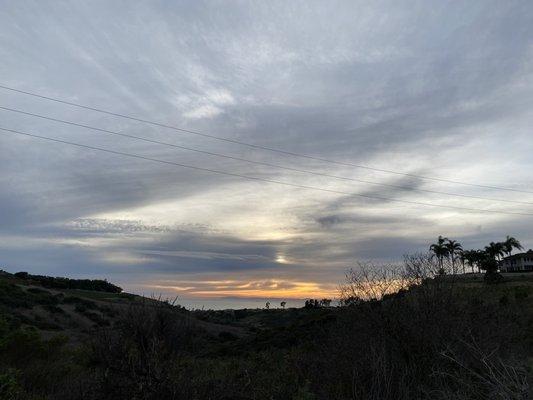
x: 109, y: 132
x: 256, y: 146
x: 254, y: 178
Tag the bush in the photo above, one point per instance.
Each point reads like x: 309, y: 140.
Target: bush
x: 80, y: 304
x: 53, y: 309
x: 66, y: 283
x: 492, y: 277
x: 9, y: 386
x: 522, y: 292
x: 33, y: 368
x: 140, y: 351
x: 304, y: 393
x: 504, y: 300
x: 13, y: 296
x: 96, y: 318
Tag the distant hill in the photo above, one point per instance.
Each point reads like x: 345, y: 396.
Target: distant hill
x: 96, y: 285
x: 75, y: 307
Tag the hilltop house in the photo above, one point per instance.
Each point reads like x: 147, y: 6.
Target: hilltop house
x: 521, y: 262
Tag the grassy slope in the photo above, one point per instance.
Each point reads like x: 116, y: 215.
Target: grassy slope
x: 274, y: 349
x: 73, y: 312
x: 76, y: 313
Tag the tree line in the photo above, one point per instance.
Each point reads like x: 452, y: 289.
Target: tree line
x: 98, y: 285
x: 486, y: 259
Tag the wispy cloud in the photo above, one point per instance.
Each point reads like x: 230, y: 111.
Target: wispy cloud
x: 436, y: 89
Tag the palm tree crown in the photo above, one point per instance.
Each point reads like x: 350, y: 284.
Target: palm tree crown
x: 454, y: 248
x: 487, y: 259
x: 495, y: 250
x: 471, y: 257
x: 440, y: 249
x: 510, y: 244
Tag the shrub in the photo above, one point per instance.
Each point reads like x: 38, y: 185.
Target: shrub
x: 492, y: 277
x: 80, y: 308
x: 304, y: 393
x: 53, y: 309
x: 96, y: 318
x: 226, y: 336
x: 504, y: 300
x: 9, y: 386
x: 67, y: 283
x: 521, y: 292
x: 80, y: 304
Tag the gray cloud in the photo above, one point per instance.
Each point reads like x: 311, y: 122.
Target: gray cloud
x: 435, y: 88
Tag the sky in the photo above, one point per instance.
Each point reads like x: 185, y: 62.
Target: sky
x: 438, y: 89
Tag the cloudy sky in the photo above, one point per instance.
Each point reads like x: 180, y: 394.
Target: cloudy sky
x: 427, y: 88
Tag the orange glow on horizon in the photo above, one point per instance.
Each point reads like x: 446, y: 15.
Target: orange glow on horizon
x: 253, y: 289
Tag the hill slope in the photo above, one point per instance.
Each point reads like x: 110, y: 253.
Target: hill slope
x: 76, y: 313
x: 452, y: 337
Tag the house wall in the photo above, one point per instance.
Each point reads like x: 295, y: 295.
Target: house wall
x: 524, y: 263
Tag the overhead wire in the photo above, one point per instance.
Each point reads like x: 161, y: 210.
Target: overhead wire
x: 271, y: 165
x: 255, y: 178
x: 257, y: 146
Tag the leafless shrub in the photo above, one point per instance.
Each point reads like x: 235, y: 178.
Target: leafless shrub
x: 477, y: 374
x: 137, y: 354
x: 369, y: 281
x: 418, y: 267
x: 391, y: 346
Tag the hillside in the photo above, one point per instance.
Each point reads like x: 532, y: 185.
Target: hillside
x: 77, y: 313
x: 453, y: 337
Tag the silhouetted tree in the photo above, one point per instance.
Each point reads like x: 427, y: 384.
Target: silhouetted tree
x: 67, y: 283
x: 462, y: 259
x: 472, y: 257
x: 312, y: 303
x: 495, y: 250
x: 267, y: 305
x: 350, y: 301
x: 283, y: 304
x: 510, y: 244
x: 325, y: 302
x: 440, y: 250
x: 454, y: 248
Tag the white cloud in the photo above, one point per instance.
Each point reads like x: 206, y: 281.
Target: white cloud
x: 205, y: 111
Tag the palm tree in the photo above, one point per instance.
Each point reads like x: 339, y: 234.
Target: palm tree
x: 440, y: 250
x: 454, y: 248
x: 510, y: 244
x: 488, y: 259
x: 495, y: 250
x: 463, y: 259
x: 474, y: 258
x: 469, y: 256
x: 479, y: 256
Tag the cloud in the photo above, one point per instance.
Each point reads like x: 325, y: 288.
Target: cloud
x: 329, y: 220
x: 435, y: 89
x: 205, y: 111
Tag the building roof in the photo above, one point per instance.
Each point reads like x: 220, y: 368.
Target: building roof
x: 517, y: 256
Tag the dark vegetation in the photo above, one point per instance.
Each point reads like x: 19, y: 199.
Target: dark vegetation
x: 415, y: 331
x: 66, y: 283
x: 486, y: 259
